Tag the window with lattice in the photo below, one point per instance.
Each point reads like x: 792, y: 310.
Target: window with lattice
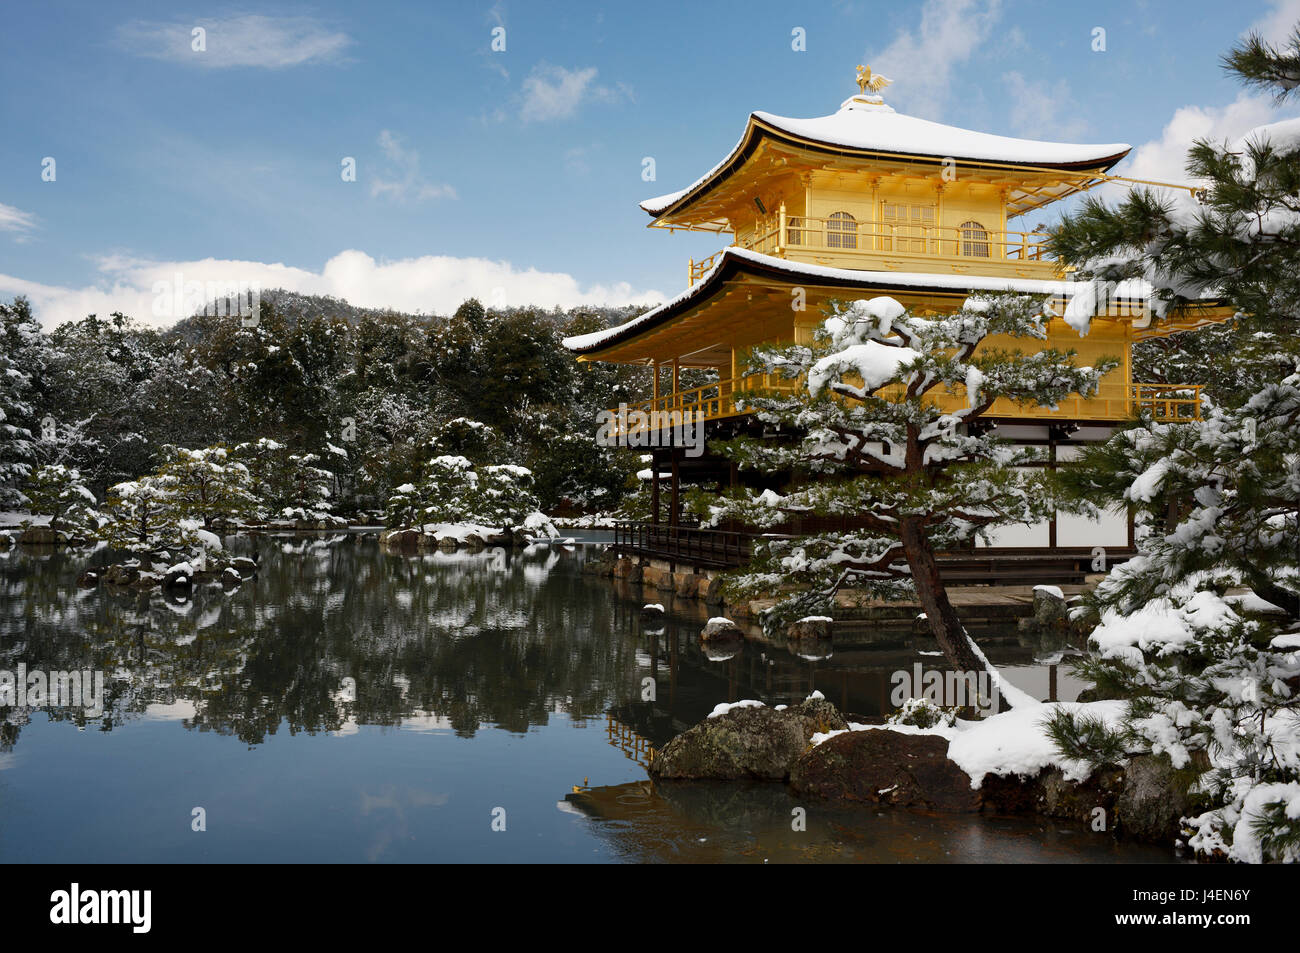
x: 841, y: 230
x: 974, y: 240
x: 907, y: 228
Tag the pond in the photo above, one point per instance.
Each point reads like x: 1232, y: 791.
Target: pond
x: 351, y: 705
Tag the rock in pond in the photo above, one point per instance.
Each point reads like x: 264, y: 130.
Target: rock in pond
x: 810, y: 627
x: 749, y: 741
x: 719, y: 629
x: 1152, y: 800
x: 879, y: 766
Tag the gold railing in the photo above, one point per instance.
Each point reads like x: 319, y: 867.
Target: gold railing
x: 910, y: 238
x: 1168, y: 402
x: 868, y: 238
x: 1162, y: 402
x: 710, y: 402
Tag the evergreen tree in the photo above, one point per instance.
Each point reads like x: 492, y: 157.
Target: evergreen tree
x: 57, y: 492
x: 1211, y: 675
x: 862, y: 416
x: 207, y: 485
x: 22, y: 360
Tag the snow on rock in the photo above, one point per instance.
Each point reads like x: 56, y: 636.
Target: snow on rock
x: 721, y: 709
x: 1016, y: 741
x: 1051, y: 591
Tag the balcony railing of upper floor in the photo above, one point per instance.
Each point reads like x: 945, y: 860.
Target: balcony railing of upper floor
x: 856, y: 244
x: 1115, y: 401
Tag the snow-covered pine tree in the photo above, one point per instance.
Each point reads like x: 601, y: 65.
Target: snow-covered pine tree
x: 862, y: 418
x: 286, y: 485
x: 139, y: 516
x: 22, y: 351
x: 59, y: 493
x: 207, y: 484
x: 1201, y: 632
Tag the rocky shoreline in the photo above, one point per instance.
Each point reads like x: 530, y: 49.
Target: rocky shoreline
x: 812, y: 749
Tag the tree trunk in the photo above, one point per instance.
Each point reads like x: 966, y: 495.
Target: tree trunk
x: 939, y: 613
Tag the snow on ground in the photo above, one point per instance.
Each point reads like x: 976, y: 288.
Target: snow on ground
x: 12, y: 519
x: 1013, y: 742
x: 1016, y: 742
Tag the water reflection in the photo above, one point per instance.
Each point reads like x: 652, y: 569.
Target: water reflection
x: 331, y: 635
x: 394, y: 700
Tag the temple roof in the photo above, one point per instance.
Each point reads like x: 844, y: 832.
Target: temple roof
x: 866, y: 125
x: 734, y: 261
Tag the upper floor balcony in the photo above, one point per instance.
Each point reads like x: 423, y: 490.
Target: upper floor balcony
x: 843, y: 241
x: 1115, y: 401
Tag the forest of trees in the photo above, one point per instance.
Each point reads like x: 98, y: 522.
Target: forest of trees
x: 371, y: 395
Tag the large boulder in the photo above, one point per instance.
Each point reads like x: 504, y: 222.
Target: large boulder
x: 751, y: 742
x: 1152, y: 800
x: 1079, y: 800
x: 689, y: 584
x: 885, y: 767
x: 1051, y: 615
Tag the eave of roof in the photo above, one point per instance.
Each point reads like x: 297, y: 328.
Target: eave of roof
x: 734, y: 260
x: 782, y: 128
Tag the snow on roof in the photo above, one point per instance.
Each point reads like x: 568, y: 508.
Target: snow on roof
x: 891, y: 279
x: 875, y: 127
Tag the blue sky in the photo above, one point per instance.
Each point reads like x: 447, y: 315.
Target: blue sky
x: 516, y: 173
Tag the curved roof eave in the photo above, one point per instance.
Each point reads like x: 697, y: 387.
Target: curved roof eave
x: 757, y: 126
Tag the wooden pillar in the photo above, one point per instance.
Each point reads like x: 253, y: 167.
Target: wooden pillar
x: 1051, y: 466
x: 654, y: 380
x: 676, y: 380
x: 654, y: 488
x: 674, y: 514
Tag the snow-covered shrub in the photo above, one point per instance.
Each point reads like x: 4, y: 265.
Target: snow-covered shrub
x: 922, y: 713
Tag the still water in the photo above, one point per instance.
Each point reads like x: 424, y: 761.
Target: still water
x: 353, y: 705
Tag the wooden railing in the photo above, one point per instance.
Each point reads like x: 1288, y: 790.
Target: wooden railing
x: 1162, y: 402
x: 709, y: 402
x: 1168, y: 402
x: 705, y: 548
x: 770, y: 236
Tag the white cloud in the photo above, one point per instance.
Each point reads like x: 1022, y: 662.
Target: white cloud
x: 403, y: 181
x: 435, y: 283
x: 246, y: 40
x: 15, y: 219
x: 949, y: 33
x: 1037, y: 107
x: 1277, y: 25
x: 553, y: 92
x: 1164, y: 159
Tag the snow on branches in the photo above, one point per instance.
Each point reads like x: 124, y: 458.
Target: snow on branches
x: 885, y: 411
